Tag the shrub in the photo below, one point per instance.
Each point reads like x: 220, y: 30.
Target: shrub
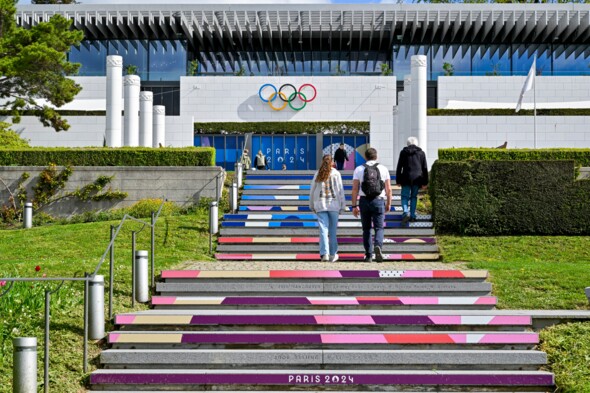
x: 292, y: 127
x: 509, y: 198
x: 10, y: 139
x: 189, y: 156
x: 580, y: 156
x: 145, y: 207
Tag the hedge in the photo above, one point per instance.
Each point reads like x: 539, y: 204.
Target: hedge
x: 509, y: 198
x: 508, y: 112
x: 580, y: 156
x: 291, y: 127
x: 190, y: 156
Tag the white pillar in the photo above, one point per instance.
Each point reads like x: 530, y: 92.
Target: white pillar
x: 159, y: 125
x: 114, y: 100
x: 146, y: 118
x: 131, y: 132
x: 419, y: 118
x: 406, y: 132
x: 395, y: 138
x: 402, y: 119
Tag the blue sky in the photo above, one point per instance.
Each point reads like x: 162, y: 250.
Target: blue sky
x: 229, y: 1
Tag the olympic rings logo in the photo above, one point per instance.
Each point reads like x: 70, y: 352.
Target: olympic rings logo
x: 287, y: 98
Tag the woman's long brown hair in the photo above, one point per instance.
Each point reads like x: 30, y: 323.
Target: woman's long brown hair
x: 325, y: 169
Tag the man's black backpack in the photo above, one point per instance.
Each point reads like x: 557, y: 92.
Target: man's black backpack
x: 372, y: 184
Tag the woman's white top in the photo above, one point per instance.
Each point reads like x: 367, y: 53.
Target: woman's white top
x: 328, y: 195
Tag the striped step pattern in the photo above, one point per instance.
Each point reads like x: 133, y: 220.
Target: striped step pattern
x: 274, y: 212
x: 318, y: 330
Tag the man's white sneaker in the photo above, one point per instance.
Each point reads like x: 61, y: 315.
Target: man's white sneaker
x: 333, y: 258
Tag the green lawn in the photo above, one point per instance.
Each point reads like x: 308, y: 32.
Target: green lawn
x: 527, y: 272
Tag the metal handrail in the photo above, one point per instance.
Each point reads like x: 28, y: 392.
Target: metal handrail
x: 86, y: 279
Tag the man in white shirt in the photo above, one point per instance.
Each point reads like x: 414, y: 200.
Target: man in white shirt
x: 372, y: 207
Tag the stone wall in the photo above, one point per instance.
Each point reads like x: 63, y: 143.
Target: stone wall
x: 182, y: 185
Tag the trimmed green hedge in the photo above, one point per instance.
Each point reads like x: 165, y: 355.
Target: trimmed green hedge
x: 63, y: 112
x: 137, y: 156
x: 509, y: 198
x: 291, y: 127
x: 580, y: 156
x: 507, y: 112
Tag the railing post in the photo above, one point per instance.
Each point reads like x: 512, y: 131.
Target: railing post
x: 132, y: 268
x: 233, y: 198
x: 111, y: 272
x: 85, y: 365
x: 141, y: 276
x: 24, y: 372
x: 213, y: 223
x: 46, y: 349
x: 96, y: 308
x: 153, y: 250
x: 28, y: 215
x: 217, y: 187
x: 239, y: 173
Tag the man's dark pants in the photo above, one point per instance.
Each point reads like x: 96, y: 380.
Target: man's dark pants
x: 372, y: 212
x: 340, y: 165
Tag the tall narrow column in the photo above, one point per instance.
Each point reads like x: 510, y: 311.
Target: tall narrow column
x: 402, y: 116
x: 419, y: 118
x: 131, y: 132
x: 408, y: 108
x: 159, y: 125
x: 146, y: 118
x: 114, y: 100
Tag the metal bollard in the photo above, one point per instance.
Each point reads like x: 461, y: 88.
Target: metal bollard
x: 239, y: 173
x: 28, y: 215
x: 213, y: 218
x: 24, y: 375
x: 141, y: 276
x: 233, y: 198
x: 96, y: 308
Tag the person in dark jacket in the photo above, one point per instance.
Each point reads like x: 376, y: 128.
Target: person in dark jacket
x: 340, y: 156
x: 411, y: 174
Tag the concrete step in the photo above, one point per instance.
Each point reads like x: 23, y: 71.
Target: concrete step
x: 304, y: 232
x: 272, y: 201
x: 314, y: 224
x: 388, y: 248
x: 326, y: 358
x: 305, y: 208
x: 275, y: 256
x: 326, y: 302
x: 266, y: 197
x: 299, y: 191
x: 262, y: 216
x: 323, y: 339
x: 156, y: 318
x: 305, y: 379
x: 315, y: 240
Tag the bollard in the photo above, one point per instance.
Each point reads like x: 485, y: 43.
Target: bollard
x: 24, y: 376
x: 96, y: 308
x: 239, y: 173
x: 28, y: 218
x: 141, y: 276
x: 213, y: 218
x: 233, y: 198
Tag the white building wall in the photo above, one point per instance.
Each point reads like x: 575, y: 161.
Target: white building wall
x: 484, y: 92
x: 518, y: 131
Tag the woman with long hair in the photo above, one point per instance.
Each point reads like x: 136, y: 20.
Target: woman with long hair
x: 326, y: 200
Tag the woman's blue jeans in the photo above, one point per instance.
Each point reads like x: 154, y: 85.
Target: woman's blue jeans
x: 328, y: 223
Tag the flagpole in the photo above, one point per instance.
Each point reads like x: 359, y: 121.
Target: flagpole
x: 535, y: 104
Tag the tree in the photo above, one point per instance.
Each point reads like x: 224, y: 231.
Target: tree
x: 33, y: 66
x: 386, y: 70
x: 448, y: 69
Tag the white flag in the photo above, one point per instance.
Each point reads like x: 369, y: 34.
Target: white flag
x: 528, y: 83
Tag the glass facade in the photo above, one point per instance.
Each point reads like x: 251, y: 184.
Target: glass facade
x: 461, y: 60
x: 155, y: 60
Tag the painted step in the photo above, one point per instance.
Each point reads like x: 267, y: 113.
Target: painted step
x: 303, y: 232
x: 323, y: 302
x: 316, y: 257
x: 291, y: 197
x: 246, y: 208
x: 301, y: 177
x: 306, y: 378
x: 292, y: 202
x: 217, y: 318
x: 311, y: 275
x: 247, y: 358
x: 388, y: 248
x: 315, y: 240
x: 393, y: 339
x: 314, y: 224
x: 311, y: 217
x: 347, y: 190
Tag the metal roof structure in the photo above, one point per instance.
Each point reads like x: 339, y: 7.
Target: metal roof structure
x: 377, y: 27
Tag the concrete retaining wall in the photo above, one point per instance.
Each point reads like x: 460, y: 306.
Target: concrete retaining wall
x: 182, y: 185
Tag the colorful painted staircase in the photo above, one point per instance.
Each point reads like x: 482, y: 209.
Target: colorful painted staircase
x: 274, y: 222
x: 338, y: 330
